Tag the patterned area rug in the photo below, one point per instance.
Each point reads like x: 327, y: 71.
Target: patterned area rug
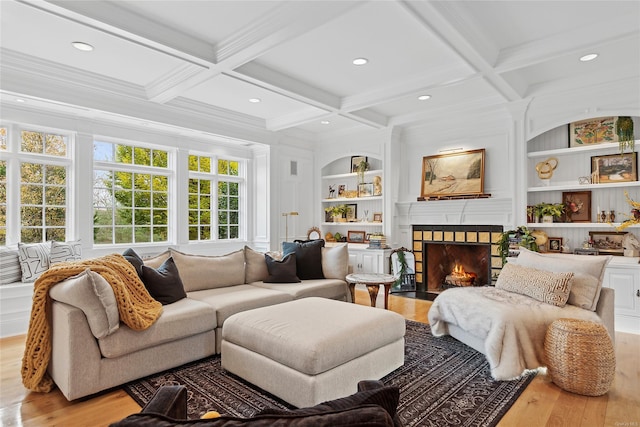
x: 442, y: 383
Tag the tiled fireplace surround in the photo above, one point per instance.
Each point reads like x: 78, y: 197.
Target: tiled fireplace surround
x: 475, y: 245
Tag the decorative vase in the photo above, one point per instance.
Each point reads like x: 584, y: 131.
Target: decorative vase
x: 547, y: 219
x: 603, y: 216
x: 612, y: 216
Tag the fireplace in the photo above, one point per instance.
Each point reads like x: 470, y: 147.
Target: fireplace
x: 455, y: 255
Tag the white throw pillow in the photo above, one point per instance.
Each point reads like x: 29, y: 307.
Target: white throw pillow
x: 34, y: 260
x: 10, y: 270
x: 588, y: 273
x: 545, y: 286
x: 157, y: 260
x: 65, y: 251
x: 335, y: 262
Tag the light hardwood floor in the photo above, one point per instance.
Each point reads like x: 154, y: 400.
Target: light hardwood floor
x: 541, y: 404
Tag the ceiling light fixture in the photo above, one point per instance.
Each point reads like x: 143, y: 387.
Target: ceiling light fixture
x: 360, y: 61
x: 255, y: 100
x: 325, y: 122
x: 589, y: 57
x: 20, y: 100
x: 424, y: 97
x: 85, y: 47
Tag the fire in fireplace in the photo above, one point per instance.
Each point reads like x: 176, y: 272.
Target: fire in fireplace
x: 455, y: 255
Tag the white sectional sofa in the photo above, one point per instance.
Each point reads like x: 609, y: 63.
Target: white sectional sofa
x: 94, y: 351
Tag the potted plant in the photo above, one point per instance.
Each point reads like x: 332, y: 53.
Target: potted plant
x: 549, y: 211
x: 361, y: 168
x: 523, y: 234
x: 337, y: 212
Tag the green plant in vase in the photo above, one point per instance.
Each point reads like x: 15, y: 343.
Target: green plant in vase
x: 337, y: 212
x: 549, y: 211
x: 521, y: 234
x: 361, y: 168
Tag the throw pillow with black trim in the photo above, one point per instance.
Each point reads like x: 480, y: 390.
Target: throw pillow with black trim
x: 65, y: 251
x: 164, y: 283
x: 308, y: 257
x: 134, y: 259
x: 281, y: 271
x: 34, y: 259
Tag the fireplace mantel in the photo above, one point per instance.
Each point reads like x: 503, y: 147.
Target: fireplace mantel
x: 466, y: 211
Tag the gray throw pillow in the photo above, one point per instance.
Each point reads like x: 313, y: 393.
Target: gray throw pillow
x: 281, y: 271
x: 164, y: 283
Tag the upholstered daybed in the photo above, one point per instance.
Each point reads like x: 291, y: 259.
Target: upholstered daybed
x: 508, y: 322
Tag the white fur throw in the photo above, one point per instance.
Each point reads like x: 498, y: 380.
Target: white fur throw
x: 513, y: 326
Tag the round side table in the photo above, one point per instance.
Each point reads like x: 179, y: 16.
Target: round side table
x: 372, y: 281
x: 580, y: 356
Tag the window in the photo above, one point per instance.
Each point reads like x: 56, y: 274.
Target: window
x: 42, y: 166
x: 202, y: 198
x: 130, y: 194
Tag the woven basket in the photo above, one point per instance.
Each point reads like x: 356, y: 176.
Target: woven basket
x: 580, y: 356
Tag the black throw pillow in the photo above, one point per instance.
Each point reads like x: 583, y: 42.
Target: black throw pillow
x: 281, y: 271
x: 164, y: 283
x: 134, y: 259
x: 308, y: 257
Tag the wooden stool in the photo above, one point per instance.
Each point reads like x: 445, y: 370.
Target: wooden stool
x: 580, y: 356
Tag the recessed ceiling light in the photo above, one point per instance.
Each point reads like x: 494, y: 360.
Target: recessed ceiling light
x: 589, y: 57
x: 255, y: 100
x: 325, y: 122
x: 20, y: 100
x: 360, y: 61
x: 85, y: 47
x: 424, y: 97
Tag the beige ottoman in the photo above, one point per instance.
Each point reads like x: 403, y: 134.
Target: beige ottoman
x: 313, y: 349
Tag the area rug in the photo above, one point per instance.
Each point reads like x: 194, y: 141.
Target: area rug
x: 442, y: 383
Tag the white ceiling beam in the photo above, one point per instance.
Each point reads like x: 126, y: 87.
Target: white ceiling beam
x: 446, y: 21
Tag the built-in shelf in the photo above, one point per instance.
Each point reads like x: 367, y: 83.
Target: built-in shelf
x: 351, y: 175
x: 601, y: 225
x: 352, y: 199
x: 354, y: 223
x: 572, y: 186
x: 574, y: 150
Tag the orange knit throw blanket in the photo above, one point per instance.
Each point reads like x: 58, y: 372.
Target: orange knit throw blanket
x: 137, y: 309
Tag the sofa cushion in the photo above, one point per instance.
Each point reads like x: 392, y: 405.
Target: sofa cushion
x: 281, y: 271
x: 65, y: 251
x: 255, y: 268
x: 163, y: 283
x: 10, y: 270
x: 205, y: 272
x: 157, y: 260
x: 308, y: 257
x: 335, y: 262
x: 325, y: 288
x: 588, y: 273
x: 230, y: 300
x: 179, y: 320
x: 545, y: 286
x: 34, y: 259
x: 92, y: 294
x: 135, y: 260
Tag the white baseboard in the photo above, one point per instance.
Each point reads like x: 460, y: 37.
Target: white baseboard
x: 627, y: 324
x: 15, y: 308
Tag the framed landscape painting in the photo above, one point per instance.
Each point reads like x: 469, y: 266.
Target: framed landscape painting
x: 608, y: 242
x: 612, y: 168
x: 454, y: 174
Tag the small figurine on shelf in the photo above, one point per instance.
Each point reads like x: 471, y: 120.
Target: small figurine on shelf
x: 332, y: 191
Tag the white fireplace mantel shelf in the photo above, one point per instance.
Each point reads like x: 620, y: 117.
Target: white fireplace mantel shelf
x: 490, y: 211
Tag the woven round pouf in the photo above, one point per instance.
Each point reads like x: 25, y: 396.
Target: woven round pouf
x: 580, y: 356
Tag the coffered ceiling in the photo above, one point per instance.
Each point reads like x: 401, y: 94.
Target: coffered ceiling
x: 212, y: 57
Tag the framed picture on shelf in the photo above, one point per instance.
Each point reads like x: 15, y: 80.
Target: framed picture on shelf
x: 592, y: 131
x: 377, y: 217
x: 612, y: 168
x: 555, y: 244
x: 577, y: 206
x: 365, y: 189
x: 453, y: 174
x: 356, y: 236
x: 355, y: 161
x: 352, y: 212
x: 342, y: 190
x: 608, y: 242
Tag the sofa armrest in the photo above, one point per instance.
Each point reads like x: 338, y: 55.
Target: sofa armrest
x: 169, y: 400
x: 605, y: 310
